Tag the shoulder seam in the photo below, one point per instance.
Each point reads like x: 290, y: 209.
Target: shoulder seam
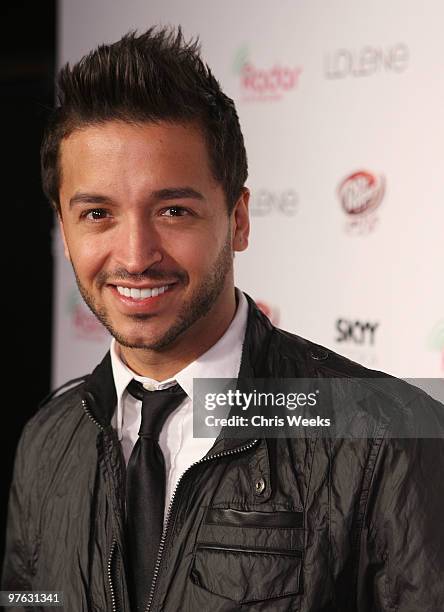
x: 62, y: 389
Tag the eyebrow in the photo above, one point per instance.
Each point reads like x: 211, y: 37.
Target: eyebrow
x: 171, y: 193
x: 177, y: 193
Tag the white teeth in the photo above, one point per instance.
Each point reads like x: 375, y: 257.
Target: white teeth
x: 141, y: 294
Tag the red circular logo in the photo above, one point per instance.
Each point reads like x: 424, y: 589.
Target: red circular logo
x: 361, y: 192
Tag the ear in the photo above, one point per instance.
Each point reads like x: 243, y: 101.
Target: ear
x: 62, y: 231
x: 241, y: 221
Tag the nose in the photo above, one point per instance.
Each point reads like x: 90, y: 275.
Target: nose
x: 138, y: 246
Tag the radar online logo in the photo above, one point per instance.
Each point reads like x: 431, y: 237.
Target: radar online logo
x: 360, y: 195
x: 264, y: 84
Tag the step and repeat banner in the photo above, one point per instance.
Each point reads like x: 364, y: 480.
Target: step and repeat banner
x: 342, y: 109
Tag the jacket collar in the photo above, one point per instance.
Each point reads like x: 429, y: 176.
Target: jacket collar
x: 255, y: 350
x: 100, y: 392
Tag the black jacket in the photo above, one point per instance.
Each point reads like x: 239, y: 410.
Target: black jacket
x: 308, y: 525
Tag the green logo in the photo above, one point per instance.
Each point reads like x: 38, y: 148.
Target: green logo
x: 435, y: 340
x: 240, y: 59
x: 73, y: 300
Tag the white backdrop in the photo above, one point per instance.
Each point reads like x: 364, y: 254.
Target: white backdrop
x: 342, y: 109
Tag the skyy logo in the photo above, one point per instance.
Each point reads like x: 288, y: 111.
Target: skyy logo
x: 264, y: 84
x: 356, y: 332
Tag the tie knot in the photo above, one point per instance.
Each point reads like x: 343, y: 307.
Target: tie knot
x: 156, y: 406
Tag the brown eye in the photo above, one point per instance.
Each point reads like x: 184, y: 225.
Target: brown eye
x: 175, y: 211
x: 95, y: 214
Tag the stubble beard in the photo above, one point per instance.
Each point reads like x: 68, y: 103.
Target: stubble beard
x: 197, y: 306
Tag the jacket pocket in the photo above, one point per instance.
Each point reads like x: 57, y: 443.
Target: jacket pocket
x: 249, y: 556
x: 239, y: 518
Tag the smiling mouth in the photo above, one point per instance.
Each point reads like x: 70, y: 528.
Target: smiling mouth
x: 142, y: 294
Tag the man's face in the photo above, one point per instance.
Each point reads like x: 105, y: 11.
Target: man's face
x: 146, y: 228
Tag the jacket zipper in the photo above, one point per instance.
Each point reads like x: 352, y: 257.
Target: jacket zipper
x: 110, y: 579
x: 233, y: 451
x: 90, y: 416
x: 114, y: 542
x: 240, y: 449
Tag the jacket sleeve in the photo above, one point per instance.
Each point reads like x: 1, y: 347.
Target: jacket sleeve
x: 401, y: 565
x: 16, y: 572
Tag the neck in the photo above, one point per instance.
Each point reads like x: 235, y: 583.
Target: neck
x: 194, y: 342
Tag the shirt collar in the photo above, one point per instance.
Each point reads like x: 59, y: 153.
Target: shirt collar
x: 222, y: 360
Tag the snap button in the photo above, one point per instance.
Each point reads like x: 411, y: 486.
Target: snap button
x: 319, y: 354
x: 259, y: 486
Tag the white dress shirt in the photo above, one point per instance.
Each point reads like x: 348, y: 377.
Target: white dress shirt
x: 179, y: 447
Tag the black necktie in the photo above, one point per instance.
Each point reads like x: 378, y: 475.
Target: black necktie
x: 145, y: 488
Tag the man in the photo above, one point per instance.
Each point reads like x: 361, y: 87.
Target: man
x: 145, y: 165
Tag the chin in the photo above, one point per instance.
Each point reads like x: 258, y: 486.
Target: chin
x: 138, y: 340
x: 132, y: 337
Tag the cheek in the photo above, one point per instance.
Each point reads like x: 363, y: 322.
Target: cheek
x: 186, y: 254
x: 195, y: 254
x: 88, y: 255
